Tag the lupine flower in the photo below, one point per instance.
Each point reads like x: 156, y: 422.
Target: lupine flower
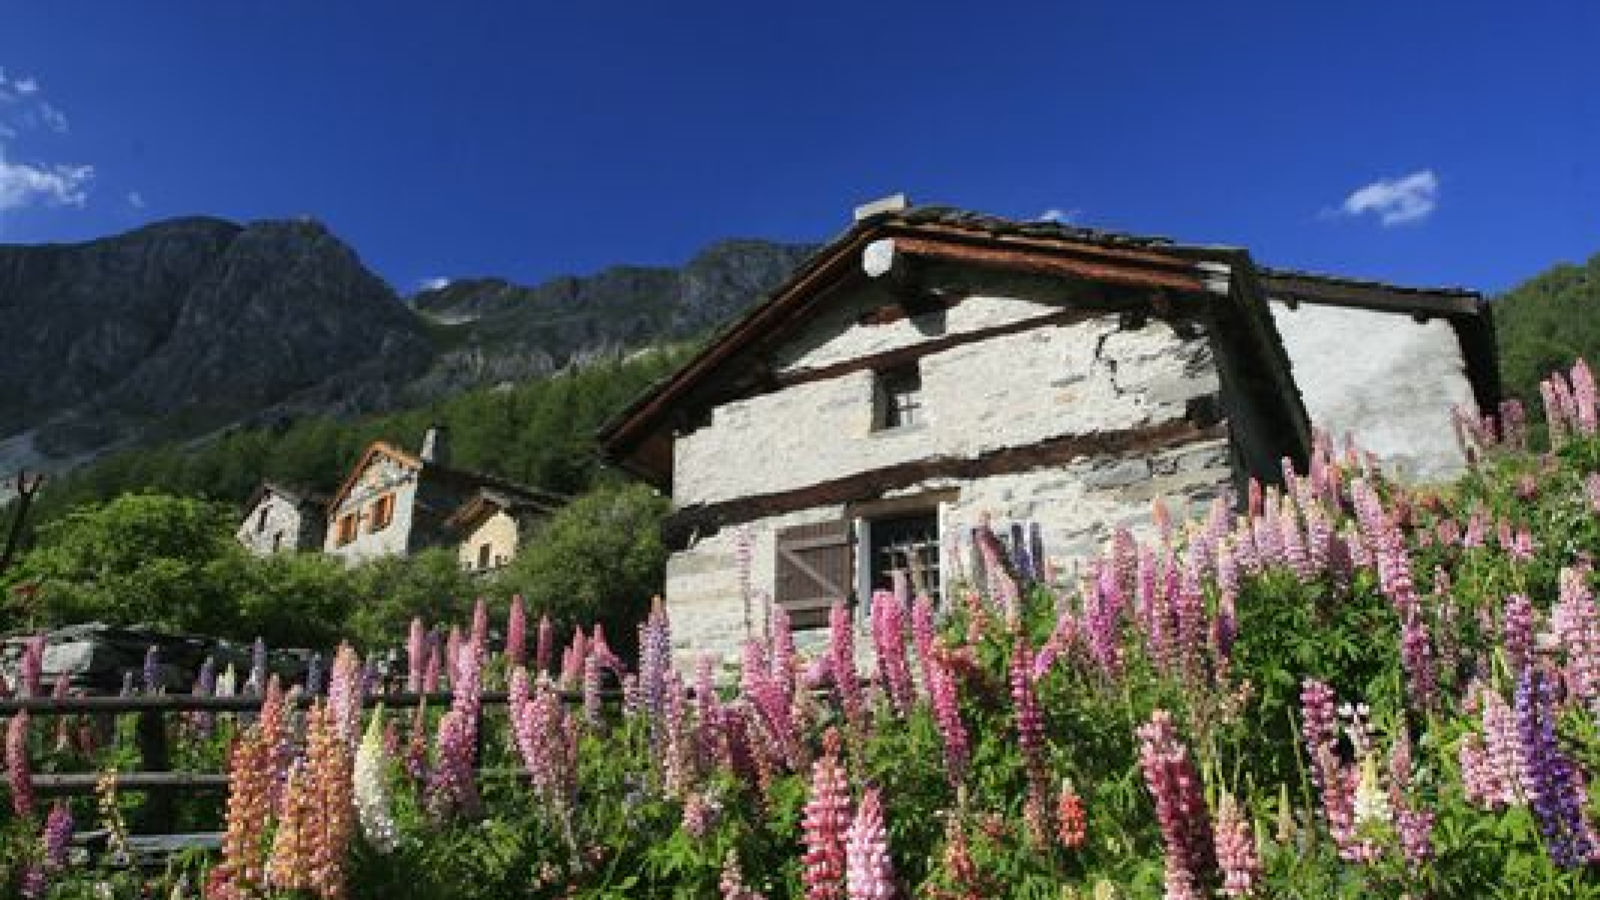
x: 257, y: 684
x: 1170, y: 774
x: 824, y: 824
x: 842, y: 665
x: 591, y: 688
x: 548, y: 742
x: 1236, y: 849
x: 1516, y: 630
x: 1554, y: 785
x: 416, y: 655
x: 732, y: 881
x: 1072, y: 826
x: 516, y: 632
x: 371, y: 785
x: 19, y: 774
x: 1576, y: 625
x: 480, y: 623
x: 700, y: 813
x: 1102, y: 618
x: 153, y: 682
x: 869, y: 873
x: 1029, y: 720
x: 345, y: 693
x: 1371, y: 800
x: 544, y: 646
x: 244, y: 849
x: 452, y: 789
x: 889, y: 644
x: 1415, y: 827
x: 655, y: 660
x: 33, y: 666
x: 57, y: 836
x: 289, y: 864
x: 947, y: 715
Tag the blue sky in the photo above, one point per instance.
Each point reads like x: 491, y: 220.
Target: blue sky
x: 1438, y: 143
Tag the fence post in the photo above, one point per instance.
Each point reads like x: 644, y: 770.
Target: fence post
x: 152, y: 737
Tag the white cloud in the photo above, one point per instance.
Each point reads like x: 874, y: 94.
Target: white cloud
x: 1395, y: 201
x: 433, y: 284
x: 1057, y: 214
x: 25, y: 86
x: 53, y: 119
x: 23, y: 185
x: 136, y: 200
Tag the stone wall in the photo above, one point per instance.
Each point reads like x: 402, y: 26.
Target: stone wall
x: 1008, y: 391
x: 1383, y: 377
x: 382, y: 477
x: 279, y: 532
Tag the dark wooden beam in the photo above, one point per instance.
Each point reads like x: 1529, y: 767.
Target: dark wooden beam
x: 870, y: 485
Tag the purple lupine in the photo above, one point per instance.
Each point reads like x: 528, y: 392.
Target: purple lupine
x: 19, y: 774
x: 869, y: 874
x: 1102, y: 618
x: 452, y: 654
x: 57, y: 836
x: 205, y: 685
x: 416, y: 655
x: 153, y: 682
x: 1516, y: 630
x: 314, y: 675
x: 889, y: 646
x: 655, y: 661
x: 516, y: 632
x: 1170, y: 774
x: 1320, y: 732
x: 947, y: 715
x: 1555, y: 785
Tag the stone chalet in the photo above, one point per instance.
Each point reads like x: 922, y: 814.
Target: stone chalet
x: 394, y: 503
x: 931, y: 366
x: 282, y: 519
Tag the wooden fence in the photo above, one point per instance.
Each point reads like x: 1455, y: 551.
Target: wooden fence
x: 162, y: 784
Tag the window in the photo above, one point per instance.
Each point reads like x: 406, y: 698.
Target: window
x: 898, y: 398
x: 909, y: 544
x: 347, y: 529
x: 382, y: 513
x: 483, y: 555
x: 261, y: 520
x: 277, y: 541
x: 814, y: 567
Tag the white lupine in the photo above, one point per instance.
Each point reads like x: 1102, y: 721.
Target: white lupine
x: 372, y: 788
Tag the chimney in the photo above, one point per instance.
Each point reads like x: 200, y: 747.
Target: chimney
x: 436, y: 445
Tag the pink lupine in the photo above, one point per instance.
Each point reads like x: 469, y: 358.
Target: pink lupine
x: 785, y: 665
x: 1583, y: 397
x: 452, y: 653
x: 1576, y: 626
x: 1320, y: 732
x: 591, y: 689
x: 1236, y: 849
x: 544, y: 646
x: 516, y: 632
x: 889, y: 636
x: 346, y: 690
x: 33, y: 666
x: 416, y: 655
x: 655, y: 660
x: 547, y: 739
x: 1103, y: 612
x: 1002, y: 585
x: 433, y: 669
x: 1030, y: 721
x: 869, y: 873
x: 1170, y: 774
x: 480, y: 623
x: 824, y: 824
x: 947, y: 715
x: 452, y: 787
x: 842, y: 664
x: 19, y: 774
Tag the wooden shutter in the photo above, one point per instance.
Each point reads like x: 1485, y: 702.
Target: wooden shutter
x: 815, y: 570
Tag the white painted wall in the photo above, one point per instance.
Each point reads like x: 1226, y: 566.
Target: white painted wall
x: 499, y: 531
x: 1383, y: 377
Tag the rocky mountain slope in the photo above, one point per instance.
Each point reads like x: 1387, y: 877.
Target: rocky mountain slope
x: 185, y: 326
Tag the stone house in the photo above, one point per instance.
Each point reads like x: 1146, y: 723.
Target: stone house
x: 933, y: 366
x: 282, y: 519
x: 394, y: 503
x: 492, y: 524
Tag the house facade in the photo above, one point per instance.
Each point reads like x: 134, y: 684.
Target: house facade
x: 932, y: 368
x: 280, y: 519
x: 492, y: 524
x: 394, y: 503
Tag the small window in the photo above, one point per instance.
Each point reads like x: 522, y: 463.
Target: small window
x: 899, y: 398
x: 277, y: 541
x: 483, y: 555
x: 261, y: 520
x: 347, y: 528
x: 908, y: 544
x: 382, y: 513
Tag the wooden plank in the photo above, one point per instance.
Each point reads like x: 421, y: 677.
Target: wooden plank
x: 53, y: 706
